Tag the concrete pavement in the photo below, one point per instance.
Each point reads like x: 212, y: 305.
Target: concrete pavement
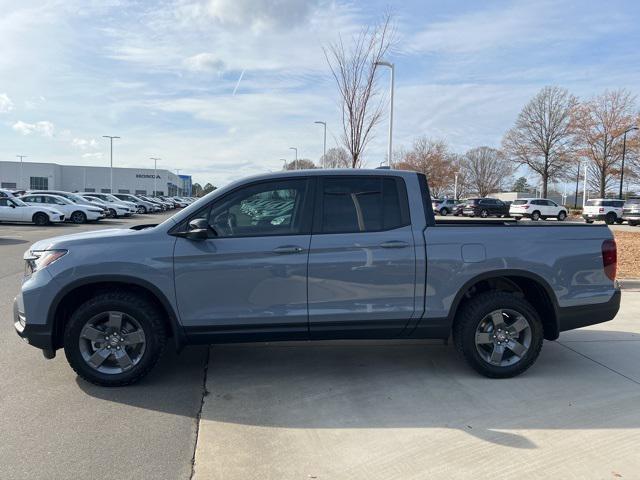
x: 390, y: 410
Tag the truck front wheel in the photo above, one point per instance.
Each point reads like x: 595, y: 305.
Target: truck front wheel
x: 114, y: 338
x: 498, y: 334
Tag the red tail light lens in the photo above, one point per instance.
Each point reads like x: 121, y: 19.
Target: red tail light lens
x: 525, y: 206
x: 601, y: 210
x: 610, y: 258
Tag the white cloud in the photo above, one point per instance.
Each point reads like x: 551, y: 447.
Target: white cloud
x: 44, y: 128
x: 33, y: 103
x: 204, y: 62
x: 6, y: 105
x: 260, y: 14
x: 84, y: 144
x: 96, y: 155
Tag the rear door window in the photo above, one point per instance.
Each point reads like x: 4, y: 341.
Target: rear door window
x: 362, y: 204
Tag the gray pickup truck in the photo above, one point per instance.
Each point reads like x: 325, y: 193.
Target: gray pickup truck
x: 306, y: 255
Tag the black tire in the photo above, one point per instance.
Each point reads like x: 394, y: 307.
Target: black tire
x: 142, y: 209
x: 147, y: 315
x: 474, y: 312
x: 632, y: 223
x: 78, y: 217
x: 443, y: 212
x: 610, y: 218
x: 535, y: 216
x: 113, y: 213
x: 517, y: 219
x: 40, y: 219
x: 619, y: 221
x: 484, y: 213
x: 562, y: 216
x: 589, y: 221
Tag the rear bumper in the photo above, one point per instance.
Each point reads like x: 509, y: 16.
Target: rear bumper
x: 593, y: 216
x: 570, y: 318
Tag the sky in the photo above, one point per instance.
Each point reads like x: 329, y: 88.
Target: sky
x: 221, y: 89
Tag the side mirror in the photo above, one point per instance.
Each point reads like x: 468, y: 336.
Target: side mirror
x: 12, y: 205
x: 198, y: 229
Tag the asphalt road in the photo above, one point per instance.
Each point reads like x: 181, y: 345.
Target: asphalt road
x: 353, y: 410
x: 56, y: 426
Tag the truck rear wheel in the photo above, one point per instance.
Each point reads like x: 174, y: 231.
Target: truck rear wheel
x: 610, y: 218
x: 114, y: 338
x: 498, y: 334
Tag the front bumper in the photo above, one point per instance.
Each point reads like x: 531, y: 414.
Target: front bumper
x: 39, y: 336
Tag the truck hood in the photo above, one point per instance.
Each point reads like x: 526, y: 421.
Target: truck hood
x: 99, y: 236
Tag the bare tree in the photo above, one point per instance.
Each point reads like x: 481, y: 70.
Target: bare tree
x: 486, y: 169
x: 543, y: 137
x: 432, y: 158
x: 336, y: 157
x: 354, y: 70
x: 300, y: 164
x: 600, y: 124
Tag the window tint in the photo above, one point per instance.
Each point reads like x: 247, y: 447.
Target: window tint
x: 362, y: 204
x: 4, y: 201
x: 519, y: 202
x: 270, y: 208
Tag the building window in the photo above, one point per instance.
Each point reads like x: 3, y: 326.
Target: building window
x: 9, y: 185
x: 105, y: 190
x: 123, y: 191
x: 89, y: 189
x: 39, y: 183
x: 160, y: 193
x: 141, y: 192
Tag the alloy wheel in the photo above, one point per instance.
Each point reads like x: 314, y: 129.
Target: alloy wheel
x: 503, y: 337
x: 112, y: 342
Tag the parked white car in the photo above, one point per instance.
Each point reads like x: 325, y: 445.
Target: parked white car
x: 631, y: 211
x: 115, y: 209
x: 606, y: 209
x: 15, y: 210
x: 110, y: 200
x: 73, y: 212
x: 536, y: 209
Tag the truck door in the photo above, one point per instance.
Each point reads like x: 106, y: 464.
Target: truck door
x: 250, y: 279
x: 362, y: 258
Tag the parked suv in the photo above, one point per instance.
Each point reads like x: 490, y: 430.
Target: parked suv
x: 609, y: 210
x: 485, y: 207
x: 631, y: 211
x: 444, y: 207
x: 536, y: 209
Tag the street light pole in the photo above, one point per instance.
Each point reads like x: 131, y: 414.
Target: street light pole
x: 295, y: 162
x: 455, y: 186
x: 19, y: 182
x: 110, y: 137
x: 324, y: 143
x: 390, y: 147
x: 575, y: 200
x: 155, y: 173
x: 624, y: 151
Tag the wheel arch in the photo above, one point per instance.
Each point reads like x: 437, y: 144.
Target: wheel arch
x: 74, y: 294
x: 33, y: 217
x: 530, y: 286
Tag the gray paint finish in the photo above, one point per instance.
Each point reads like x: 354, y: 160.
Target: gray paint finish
x: 336, y: 281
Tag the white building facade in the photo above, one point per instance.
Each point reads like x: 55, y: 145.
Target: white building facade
x: 74, y: 178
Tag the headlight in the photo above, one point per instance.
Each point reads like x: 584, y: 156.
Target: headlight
x: 40, y: 259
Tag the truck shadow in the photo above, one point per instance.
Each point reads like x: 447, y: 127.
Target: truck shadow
x: 12, y: 241
x: 352, y: 385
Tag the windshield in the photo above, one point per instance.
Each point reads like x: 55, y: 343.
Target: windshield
x: 76, y: 198
x: 18, y: 202
x: 111, y: 198
x: 633, y: 201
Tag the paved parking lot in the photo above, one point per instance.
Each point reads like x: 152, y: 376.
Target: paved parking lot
x: 326, y: 410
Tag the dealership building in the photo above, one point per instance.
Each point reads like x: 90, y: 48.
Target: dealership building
x: 74, y: 178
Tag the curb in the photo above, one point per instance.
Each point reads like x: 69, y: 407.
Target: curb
x: 629, y: 283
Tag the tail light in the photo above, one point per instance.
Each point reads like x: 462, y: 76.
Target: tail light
x: 525, y: 206
x: 610, y: 258
x: 601, y: 210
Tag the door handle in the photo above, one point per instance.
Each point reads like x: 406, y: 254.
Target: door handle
x: 288, y: 249
x: 394, y: 244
